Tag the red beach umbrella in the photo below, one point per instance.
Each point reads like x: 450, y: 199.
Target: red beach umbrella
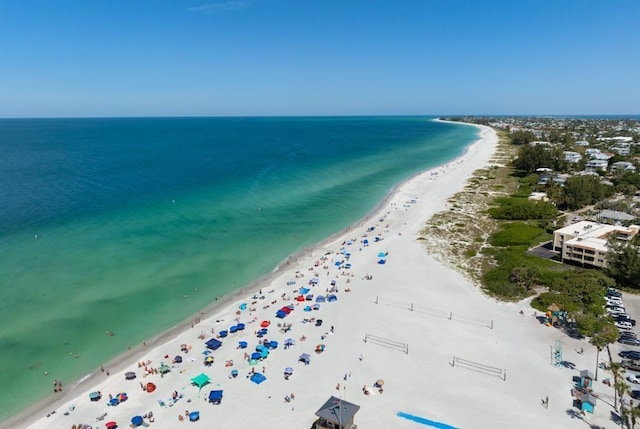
x: 150, y: 387
x: 265, y: 323
x: 111, y: 425
x: 300, y: 298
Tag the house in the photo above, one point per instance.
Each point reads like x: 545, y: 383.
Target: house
x: 596, y: 164
x: 614, y: 216
x: 572, y: 157
x: 622, y: 166
x: 623, y: 149
x: 336, y: 413
x: 538, y: 196
x: 582, y: 143
x: 586, y: 242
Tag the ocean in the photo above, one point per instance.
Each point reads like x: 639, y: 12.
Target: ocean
x: 107, y: 224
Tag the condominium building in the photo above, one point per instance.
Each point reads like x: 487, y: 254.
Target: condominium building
x: 586, y: 242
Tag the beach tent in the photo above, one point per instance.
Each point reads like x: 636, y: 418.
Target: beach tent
x: 215, y: 396
x: 307, y: 308
x: 130, y: 375
x: 304, y: 357
x: 213, y: 344
x: 137, y: 421
x: 382, y: 261
x: 201, y: 380
x: 258, y: 378
x: 316, y: 306
x: 333, y: 282
x: 586, y: 378
x: 320, y: 298
x: 309, y: 297
x: 194, y: 416
x: 289, y: 342
x: 332, y: 298
x: 95, y: 396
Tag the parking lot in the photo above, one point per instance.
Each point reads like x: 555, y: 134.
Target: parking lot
x: 631, y: 303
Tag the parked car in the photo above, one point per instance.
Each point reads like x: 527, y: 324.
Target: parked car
x: 630, y: 364
x: 624, y: 325
x: 617, y: 301
x: 630, y: 354
x: 633, y: 379
x: 616, y: 310
x: 630, y: 341
x: 635, y: 394
x: 622, y: 317
x: 613, y: 292
x: 628, y: 334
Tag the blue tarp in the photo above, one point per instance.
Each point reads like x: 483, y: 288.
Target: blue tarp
x: 213, y: 344
x: 258, y: 378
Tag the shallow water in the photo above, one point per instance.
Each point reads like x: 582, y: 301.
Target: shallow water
x: 108, y: 223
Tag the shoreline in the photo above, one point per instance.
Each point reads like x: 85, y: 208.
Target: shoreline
x: 117, y: 364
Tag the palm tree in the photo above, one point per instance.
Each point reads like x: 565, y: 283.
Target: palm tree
x: 616, y: 368
x: 620, y: 388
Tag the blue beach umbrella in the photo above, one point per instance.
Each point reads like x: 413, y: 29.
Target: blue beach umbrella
x: 240, y: 326
x: 194, y: 416
x: 222, y: 333
x: 381, y: 255
x: 243, y: 306
x: 255, y: 355
x: 242, y: 344
x: 136, y: 421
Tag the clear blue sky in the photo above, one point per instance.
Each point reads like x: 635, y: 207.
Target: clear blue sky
x: 318, y: 57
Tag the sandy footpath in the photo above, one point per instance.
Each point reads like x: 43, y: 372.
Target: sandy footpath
x: 423, y: 315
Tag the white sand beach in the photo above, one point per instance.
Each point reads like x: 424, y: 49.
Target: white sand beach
x: 412, y: 300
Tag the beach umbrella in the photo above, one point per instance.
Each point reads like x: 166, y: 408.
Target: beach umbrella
x: 208, y: 360
x: 130, y: 375
x: 136, y: 421
x: 288, y: 370
x: 222, y: 333
x: 194, y: 416
x: 242, y: 344
x: 255, y: 355
x: 380, y: 382
x: 333, y: 282
x: 381, y: 255
x: 338, y: 263
x: 316, y: 306
x: 273, y: 344
x: 382, y: 261
x: 243, y: 306
x: 164, y: 369
x: 111, y: 425
x: 289, y: 342
x: 240, y: 326
x: 121, y: 397
x: 319, y: 348
x: 307, y: 308
x: 234, y: 372
x: 95, y: 396
x: 233, y: 329
x: 177, y: 359
x: 264, y: 353
x: 113, y: 402
x: 264, y: 323
x: 151, y: 387
x: 183, y: 347
x: 253, y: 362
x: 299, y: 298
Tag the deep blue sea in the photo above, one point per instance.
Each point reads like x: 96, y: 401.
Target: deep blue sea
x: 106, y: 224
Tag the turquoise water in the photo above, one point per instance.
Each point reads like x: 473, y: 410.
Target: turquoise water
x: 107, y: 223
